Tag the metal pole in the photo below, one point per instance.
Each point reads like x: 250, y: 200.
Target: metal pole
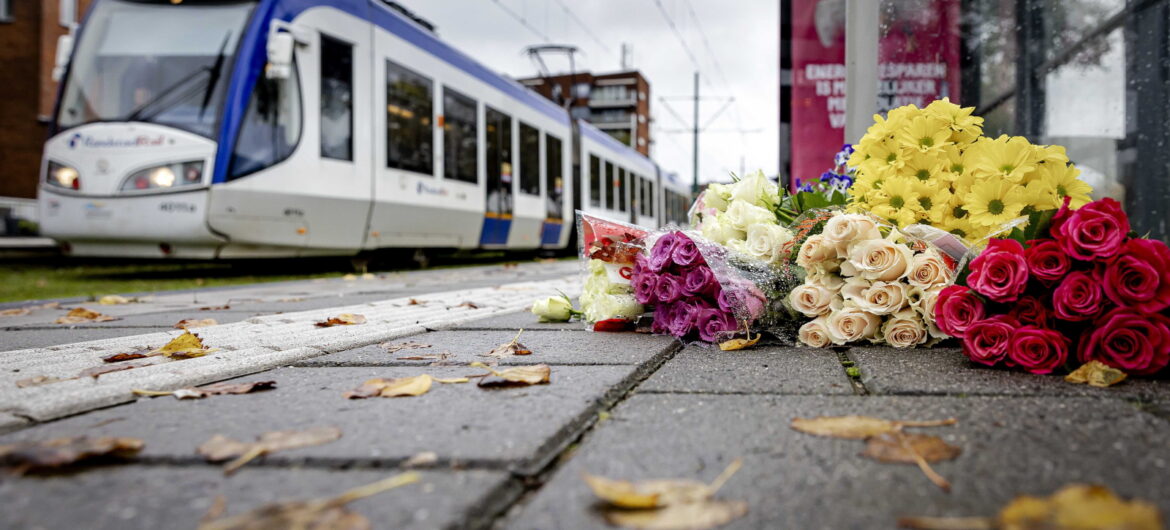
x: 695, y: 146
x: 861, y: 66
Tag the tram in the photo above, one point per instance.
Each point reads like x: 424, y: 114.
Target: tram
x: 229, y: 129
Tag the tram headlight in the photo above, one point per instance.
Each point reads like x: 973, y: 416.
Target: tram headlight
x: 168, y: 176
x: 63, y: 176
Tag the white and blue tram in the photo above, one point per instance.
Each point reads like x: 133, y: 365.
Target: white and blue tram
x: 262, y: 128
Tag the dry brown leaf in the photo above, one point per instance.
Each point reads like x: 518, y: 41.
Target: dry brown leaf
x: 217, y: 509
x: 647, y: 493
x: 188, y: 323
x: 399, y: 387
x: 59, y: 452
x: 509, y: 348
x: 423, y: 459
x: 344, y: 319
x: 919, y: 449
x: 321, y: 514
x: 415, y: 301
x: 739, y: 344
x: 1096, y: 373
x: 693, y: 516
x: 215, y: 308
x: 428, y: 357
x: 469, y: 305
x: 216, y: 389
x: 409, y: 345
x: 107, y: 368
x: 537, y: 374
x: 37, y: 381
x: 127, y: 356
x: 79, y: 315
x: 16, y: 312
x: 113, y: 299
x: 220, y: 447
x: 857, y: 427
x: 451, y: 380
x: 185, y: 346
x: 1075, y: 506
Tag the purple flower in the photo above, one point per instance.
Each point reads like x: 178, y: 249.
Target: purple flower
x: 662, y: 254
x: 745, y: 300
x: 645, y: 285
x: 682, y: 318
x: 699, y: 281
x: 686, y: 252
x: 668, y: 288
x: 661, y: 317
x: 713, y: 322
x: 724, y: 301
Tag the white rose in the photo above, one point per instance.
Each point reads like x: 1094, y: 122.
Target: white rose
x: 826, y: 279
x: 815, y: 251
x: 923, y: 302
x: 877, y: 259
x: 928, y: 270
x: 904, y: 329
x: 741, y: 214
x: 755, y: 189
x: 841, y: 230
x: 811, y: 299
x: 606, y: 306
x: 716, y: 196
x: 767, y: 242
x: 815, y: 333
x: 553, y: 309
x: 849, y: 324
x: 718, y: 231
x: 879, y: 298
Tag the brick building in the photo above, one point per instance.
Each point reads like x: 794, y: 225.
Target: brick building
x: 28, y: 45
x: 617, y: 103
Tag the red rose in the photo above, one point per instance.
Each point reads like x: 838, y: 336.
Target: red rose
x: 956, y: 308
x: 1000, y: 272
x: 1037, y: 350
x: 1140, y: 276
x: 1096, y: 231
x: 1078, y: 297
x: 1130, y: 341
x: 1031, y: 311
x: 1046, y: 260
x: 987, y: 341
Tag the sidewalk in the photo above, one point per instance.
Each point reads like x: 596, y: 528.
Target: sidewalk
x: 624, y: 406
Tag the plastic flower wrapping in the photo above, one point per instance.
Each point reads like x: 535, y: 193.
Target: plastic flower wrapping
x: 745, y: 216
x: 608, y: 250
x: 1085, y: 291
x: 933, y: 166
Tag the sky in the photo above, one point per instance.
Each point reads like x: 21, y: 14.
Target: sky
x: 734, y: 44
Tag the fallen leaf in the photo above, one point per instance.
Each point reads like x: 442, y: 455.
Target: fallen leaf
x: 739, y: 344
x: 857, y: 427
x: 409, y: 345
x: 80, y: 315
x: 399, y: 387
x: 451, y: 380
x: 216, y: 308
x: 469, y: 305
x: 423, y: 459
x: 349, y: 277
x: 905, y: 448
x: 694, y: 516
x: 59, y: 452
x: 216, y: 389
x: 1075, y: 506
x: 537, y: 374
x: 1096, y: 373
x: 318, y: 514
x: 415, y: 301
x: 344, y: 319
x: 647, y: 493
x: 114, y: 299
x: 666, y: 503
x: 217, y: 509
x: 105, y: 369
x: 509, y: 348
x: 185, y: 346
x: 37, y: 381
x: 220, y: 447
x: 127, y: 356
x: 188, y: 323
x: 16, y: 312
x: 429, y: 357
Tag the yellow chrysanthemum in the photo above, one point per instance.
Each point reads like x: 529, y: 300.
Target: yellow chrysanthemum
x: 993, y: 202
x: 882, y: 155
x: 1064, y: 180
x: 936, y: 206
x: 965, y: 126
x: 923, y: 166
x: 961, y: 226
x: 1006, y: 158
x: 897, y: 201
x: 1039, y: 195
x: 925, y: 133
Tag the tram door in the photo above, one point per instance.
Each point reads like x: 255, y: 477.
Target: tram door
x: 498, y: 191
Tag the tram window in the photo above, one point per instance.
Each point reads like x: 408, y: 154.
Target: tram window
x: 650, y: 201
x: 529, y: 159
x: 644, y: 196
x: 271, y: 127
x: 498, y: 150
x: 460, y: 126
x: 594, y: 181
x: 409, y: 117
x: 554, y: 181
x: 607, y: 181
x: 336, y: 99
x: 619, y: 184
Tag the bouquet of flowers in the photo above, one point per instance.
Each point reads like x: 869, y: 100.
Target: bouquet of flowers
x: 836, y: 180
x: 933, y: 166
x: 1086, y: 288
x: 696, y: 292
x: 608, y: 249
x: 745, y: 216
x: 861, y: 284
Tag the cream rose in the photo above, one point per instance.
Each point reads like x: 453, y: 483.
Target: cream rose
x: 850, y: 324
x: 741, y: 214
x: 810, y: 299
x: 716, y: 196
x: 904, y: 329
x: 826, y: 279
x: 841, y: 230
x: 718, y: 231
x: 767, y: 242
x: 927, y: 270
x: 879, y: 298
x: 755, y: 189
x: 923, y: 303
x: 877, y: 259
x: 815, y: 333
x: 553, y: 309
x: 816, y: 251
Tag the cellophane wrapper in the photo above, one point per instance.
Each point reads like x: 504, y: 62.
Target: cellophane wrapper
x: 607, y: 250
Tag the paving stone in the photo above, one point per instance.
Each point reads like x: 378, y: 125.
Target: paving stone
x: 763, y: 370
x: 551, y: 347
x: 518, y: 428
x: 946, y: 371
x: 9, y: 422
x: 793, y: 480
x: 165, y: 320
x: 133, y: 497
x: 19, y: 339
x: 523, y: 320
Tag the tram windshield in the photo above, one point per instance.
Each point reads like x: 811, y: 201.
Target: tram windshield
x: 158, y: 62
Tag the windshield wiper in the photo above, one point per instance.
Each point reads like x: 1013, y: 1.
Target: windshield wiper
x: 215, y: 73
x: 140, y: 113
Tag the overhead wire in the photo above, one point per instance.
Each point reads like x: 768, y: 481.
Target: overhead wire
x: 523, y: 21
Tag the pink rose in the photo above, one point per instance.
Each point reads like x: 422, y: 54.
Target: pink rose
x: 987, y: 341
x: 956, y: 309
x: 1078, y: 297
x: 1132, y: 342
x: 1140, y: 276
x: 1095, y: 231
x: 1029, y: 310
x: 1046, y: 260
x: 1037, y: 350
x: 1000, y: 272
